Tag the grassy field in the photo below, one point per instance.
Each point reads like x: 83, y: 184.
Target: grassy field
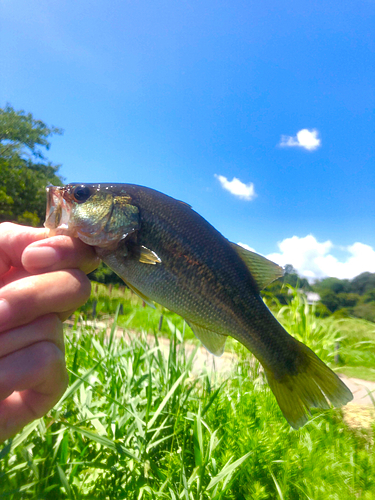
x: 138, y: 423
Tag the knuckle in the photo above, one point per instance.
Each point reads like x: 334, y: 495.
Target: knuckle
x: 51, y: 356
x: 54, y: 366
x: 5, y: 384
x: 50, y: 328
x: 82, y: 285
x: 51, y: 324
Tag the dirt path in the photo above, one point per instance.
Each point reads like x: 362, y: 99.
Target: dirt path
x: 363, y: 390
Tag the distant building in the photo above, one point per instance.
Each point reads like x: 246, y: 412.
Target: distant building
x: 312, y: 297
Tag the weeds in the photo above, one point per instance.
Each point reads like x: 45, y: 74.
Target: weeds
x: 136, y: 423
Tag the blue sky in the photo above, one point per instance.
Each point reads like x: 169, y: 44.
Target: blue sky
x: 185, y: 96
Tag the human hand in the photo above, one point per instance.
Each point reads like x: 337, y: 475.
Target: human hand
x: 42, y: 282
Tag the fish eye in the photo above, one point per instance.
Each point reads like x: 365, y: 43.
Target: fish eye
x: 81, y: 194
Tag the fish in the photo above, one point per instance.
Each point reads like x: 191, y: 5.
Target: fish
x: 167, y: 253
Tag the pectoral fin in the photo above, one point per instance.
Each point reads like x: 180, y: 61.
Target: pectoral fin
x: 213, y: 342
x: 147, y: 256
x: 262, y: 270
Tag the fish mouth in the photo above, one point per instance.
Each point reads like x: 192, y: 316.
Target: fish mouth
x: 58, y: 210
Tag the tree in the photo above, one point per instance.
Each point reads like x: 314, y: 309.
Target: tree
x: 330, y: 299
x: 24, y: 170
x: 363, y: 283
x: 333, y: 284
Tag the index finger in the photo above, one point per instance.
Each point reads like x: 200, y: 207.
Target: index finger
x: 59, y: 252
x: 14, y: 238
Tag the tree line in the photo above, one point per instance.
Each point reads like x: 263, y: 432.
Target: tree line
x: 25, y: 172
x: 339, y: 297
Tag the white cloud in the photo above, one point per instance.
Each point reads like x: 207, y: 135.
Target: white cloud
x: 246, y: 247
x: 237, y: 188
x: 305, y: 138
x: 313, y: 259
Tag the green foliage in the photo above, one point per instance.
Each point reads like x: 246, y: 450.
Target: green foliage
x: 321, y: 310
x: 365, y: 311
x: 330, y: 299
x: 24, y: 170
x: 341, y: 313
x: 333, y: 284
x: 348, y: 299
x: 328, y: 335
x: 369, y: 296
x: 138, y: 421
x: 363, y: 283
x: 354, y: 297
x: 300, y: 319
x: 357, y: 346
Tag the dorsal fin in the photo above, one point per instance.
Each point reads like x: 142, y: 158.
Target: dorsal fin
x: 184, y: 203
x: 262, y: 270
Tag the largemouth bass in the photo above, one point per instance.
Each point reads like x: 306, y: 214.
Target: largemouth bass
x: 167, y: 253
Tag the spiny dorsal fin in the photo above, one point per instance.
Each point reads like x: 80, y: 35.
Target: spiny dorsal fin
x: 184, y: 203
x: 262, y: 270
x: 212, y: 341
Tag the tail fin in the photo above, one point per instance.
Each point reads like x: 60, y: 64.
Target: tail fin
x: 311, y: 387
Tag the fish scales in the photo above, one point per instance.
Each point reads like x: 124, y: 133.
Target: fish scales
x: 215, y: 289
x: 169, y: 254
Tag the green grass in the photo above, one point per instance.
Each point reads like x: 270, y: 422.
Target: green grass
x: 139, y: 424
x: 357, y: 347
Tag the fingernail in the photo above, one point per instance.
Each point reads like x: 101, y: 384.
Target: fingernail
x: 4, y: 312
x: 40, y: 257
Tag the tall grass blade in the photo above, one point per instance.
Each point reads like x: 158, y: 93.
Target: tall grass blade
x: 113, y: 328
x: 213, y: 396
x: 65, y: 483
x: 279, y: 492
x: 77, y: 383
x: 166, y: 399
x: 5, y: 450
x: 24, y: 434
x: 228, y: 469
x: 102, y: 440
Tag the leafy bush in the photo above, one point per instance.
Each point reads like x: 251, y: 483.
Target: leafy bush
x: 365, y: 311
